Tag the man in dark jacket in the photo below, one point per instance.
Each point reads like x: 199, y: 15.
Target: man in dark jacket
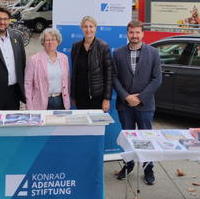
x: 12, y: 65
x: 138, y: 77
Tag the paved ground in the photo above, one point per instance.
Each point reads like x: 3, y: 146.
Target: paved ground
x: 34, y: 45
x: 168, y: 185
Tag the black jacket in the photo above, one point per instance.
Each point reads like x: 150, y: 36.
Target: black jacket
x: 20, y: 62
x: 99, y: 69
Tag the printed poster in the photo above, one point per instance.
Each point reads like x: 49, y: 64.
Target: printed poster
x: 181, y: 13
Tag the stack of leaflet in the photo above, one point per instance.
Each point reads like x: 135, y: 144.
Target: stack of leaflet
x: 195, y: 132
x: 191, y: 144
x: 24, y: 119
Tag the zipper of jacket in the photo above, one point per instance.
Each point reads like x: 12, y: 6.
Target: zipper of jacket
x: 90, y: 96
x: 89, y: 69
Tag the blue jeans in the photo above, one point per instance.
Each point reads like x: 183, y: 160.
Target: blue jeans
x: 130, y: 118
x: 55, y: 103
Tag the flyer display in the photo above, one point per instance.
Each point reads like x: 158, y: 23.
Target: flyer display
x: 158, y: 145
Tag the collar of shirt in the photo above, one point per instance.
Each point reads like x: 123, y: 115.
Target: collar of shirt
x: 49, y: 60
x: 6, y: 36
x: 138, y: 47
x: 53, y: 62
x: 91, y: 45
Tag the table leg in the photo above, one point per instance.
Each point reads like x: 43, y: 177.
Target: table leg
x: 138, y: 181
x: 126, y: 184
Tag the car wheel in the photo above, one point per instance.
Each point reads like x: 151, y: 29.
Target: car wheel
x: 40, y: 26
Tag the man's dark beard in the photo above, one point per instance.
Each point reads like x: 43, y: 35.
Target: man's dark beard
x: 3, y: 31
x: 135, y: 42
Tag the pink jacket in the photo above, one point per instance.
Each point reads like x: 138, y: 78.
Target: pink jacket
x: 36, y: 81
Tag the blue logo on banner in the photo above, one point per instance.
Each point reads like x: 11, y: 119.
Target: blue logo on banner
x: 16, y: 185
x: 104, y: 7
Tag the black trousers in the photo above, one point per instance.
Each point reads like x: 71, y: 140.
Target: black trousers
x: 87, y: 103
x: 10, y: 97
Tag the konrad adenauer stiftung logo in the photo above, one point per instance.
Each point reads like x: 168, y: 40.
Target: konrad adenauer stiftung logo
x: 112, y: 7
x: 39, y: 184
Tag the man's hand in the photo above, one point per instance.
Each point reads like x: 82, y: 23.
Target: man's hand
x: 133, y: 99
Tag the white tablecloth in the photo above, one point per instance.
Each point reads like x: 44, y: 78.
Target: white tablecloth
x: 158, y: 154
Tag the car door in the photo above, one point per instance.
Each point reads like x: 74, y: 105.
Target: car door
x: 187, y: 83
x: 170, y: 54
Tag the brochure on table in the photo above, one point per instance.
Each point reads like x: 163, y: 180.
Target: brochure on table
x: 58, y: 117
x: 157, y: 145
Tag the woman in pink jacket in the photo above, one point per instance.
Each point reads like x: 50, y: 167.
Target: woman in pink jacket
x: 47, y: 75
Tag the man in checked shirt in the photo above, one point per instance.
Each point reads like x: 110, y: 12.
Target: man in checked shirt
x: 138, y: 76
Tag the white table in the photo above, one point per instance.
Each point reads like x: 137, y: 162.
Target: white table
x: 156, y: 150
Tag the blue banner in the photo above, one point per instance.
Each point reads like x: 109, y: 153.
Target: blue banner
x: 115, y: 36
x: 51, y: 167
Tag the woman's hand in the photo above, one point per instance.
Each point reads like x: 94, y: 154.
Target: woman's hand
x: 106, y: 105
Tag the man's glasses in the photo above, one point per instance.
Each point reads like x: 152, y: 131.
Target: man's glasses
x: 4, y: 19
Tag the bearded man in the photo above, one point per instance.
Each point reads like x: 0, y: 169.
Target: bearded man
x: 12, y: 65
x: 138, y: 75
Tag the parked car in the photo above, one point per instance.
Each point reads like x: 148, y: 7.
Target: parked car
x: 38, y: 17
x: 20, y: 5
x: 180, y: 89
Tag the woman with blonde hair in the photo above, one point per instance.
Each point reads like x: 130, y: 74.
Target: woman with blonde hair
x: 92, y: 69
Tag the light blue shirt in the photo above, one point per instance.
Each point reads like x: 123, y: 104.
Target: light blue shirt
x: 8, y: 55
